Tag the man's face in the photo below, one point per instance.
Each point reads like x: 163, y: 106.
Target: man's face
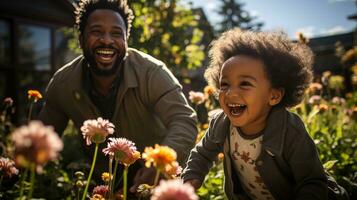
x: 104, y: 41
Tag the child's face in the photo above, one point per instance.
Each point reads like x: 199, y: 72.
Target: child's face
x: 246, y: 94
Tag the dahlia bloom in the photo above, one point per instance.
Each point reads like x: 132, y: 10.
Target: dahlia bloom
x: 101, y: 190
x: 35, y: 94
x: 173, y: 170
x: 35, y: 143
x: 7, y: 167
x: 106, y: 177
x: 8, y: 102
x: 315, y: 100
x: 96, y: 130
x: 174, y: 190
x: 97, y: 197
x: 122, y: 150
x: 160, y: 156
x: 196, y: 97
x: 209, y: 90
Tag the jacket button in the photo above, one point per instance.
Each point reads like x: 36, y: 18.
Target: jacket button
x: 77, y: 96
x: 259, y: 163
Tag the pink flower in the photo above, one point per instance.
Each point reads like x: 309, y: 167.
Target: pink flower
x: 315, y: 100
x: 338, y: 101
x: 7, y: 166
x: 101, y: 189
x: 174, y: 190
x: 122, y: 150
x: 96, y: 130
x: 8, y: 101
x: 196, y: 97
x: 35, y: 143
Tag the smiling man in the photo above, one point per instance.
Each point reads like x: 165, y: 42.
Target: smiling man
x: 133, y: 90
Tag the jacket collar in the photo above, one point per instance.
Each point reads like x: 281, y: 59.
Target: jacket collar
x: 130, y: 78
x: 275, y: 131
x: 75, y: 84
x: 273, y: 136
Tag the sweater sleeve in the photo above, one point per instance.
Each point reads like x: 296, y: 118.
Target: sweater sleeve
x: 202, y: 156
x: 306, y: 167
x: 51, y: 113
x: 170, y: 104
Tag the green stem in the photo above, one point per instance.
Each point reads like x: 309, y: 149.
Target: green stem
x: 30, y: 112
x: 32, y: 180
x: 157, y: 177
x: 23, y: 179
x: 114, y: 175
x: 110, y: 176
x: 91, y: 171
x: 1, y: 181
x: 125, y: 180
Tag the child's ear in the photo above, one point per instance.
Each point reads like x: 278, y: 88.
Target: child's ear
x: 276, y: 95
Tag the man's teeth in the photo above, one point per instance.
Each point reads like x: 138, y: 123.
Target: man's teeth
x: 106, y: 52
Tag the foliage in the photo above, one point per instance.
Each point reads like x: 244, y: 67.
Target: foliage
x: 168, y: 31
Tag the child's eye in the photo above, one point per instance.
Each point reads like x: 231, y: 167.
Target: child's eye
x: 245, y: 84
x: 223, y: 86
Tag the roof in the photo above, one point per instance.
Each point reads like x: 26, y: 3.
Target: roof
x: 56, y: 12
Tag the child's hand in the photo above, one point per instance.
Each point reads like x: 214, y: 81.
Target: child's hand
x: 195, y: 183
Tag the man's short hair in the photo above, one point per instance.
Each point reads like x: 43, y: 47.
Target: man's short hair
x: 86, y: 7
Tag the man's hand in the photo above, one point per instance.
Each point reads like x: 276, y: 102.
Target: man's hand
x: 144, y: 175
x: 195, y: 183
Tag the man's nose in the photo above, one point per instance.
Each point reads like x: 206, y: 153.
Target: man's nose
x: 106, y: 38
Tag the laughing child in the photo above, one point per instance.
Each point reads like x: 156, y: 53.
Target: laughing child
x: 268, y: 153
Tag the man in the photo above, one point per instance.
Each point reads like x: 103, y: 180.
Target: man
x: 134, y: 91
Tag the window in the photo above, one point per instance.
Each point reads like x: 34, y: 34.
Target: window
x: 5, y: 41
x: 63, y: 54
x: 34, y: 47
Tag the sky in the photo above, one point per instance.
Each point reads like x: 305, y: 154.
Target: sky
x: 314, y: 18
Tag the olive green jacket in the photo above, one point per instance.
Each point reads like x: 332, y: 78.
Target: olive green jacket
x: 288, y: 163
x: 150, y: 108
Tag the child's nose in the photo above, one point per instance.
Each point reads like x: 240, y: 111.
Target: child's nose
x: 232, y: 91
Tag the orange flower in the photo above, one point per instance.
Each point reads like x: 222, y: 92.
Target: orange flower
x: 208, y: 90
x: 160, y: 156
x: 106, y: 177
x: 35, y: 94
x: 220, y: 156
x: 173, y: 170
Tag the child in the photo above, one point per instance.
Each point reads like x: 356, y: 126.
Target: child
x: 268, y: 153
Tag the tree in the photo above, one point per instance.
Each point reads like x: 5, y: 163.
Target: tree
x: 233, y: 15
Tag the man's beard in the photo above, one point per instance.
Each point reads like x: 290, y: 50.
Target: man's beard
x: 89, y: 56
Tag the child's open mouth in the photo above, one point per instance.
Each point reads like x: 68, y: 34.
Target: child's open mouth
x: 236, y: 109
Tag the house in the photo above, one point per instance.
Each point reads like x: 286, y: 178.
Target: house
x: 32, y: 46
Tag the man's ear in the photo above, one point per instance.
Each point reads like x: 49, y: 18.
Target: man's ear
x: 277, y: 95
x: 80, y: 40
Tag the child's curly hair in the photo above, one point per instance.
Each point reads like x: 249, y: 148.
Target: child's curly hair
x: 86, y: 7
x: 288, y: 65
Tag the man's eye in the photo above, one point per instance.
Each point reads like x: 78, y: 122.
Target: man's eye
x: 95, y: 32
x: 117, y: 34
